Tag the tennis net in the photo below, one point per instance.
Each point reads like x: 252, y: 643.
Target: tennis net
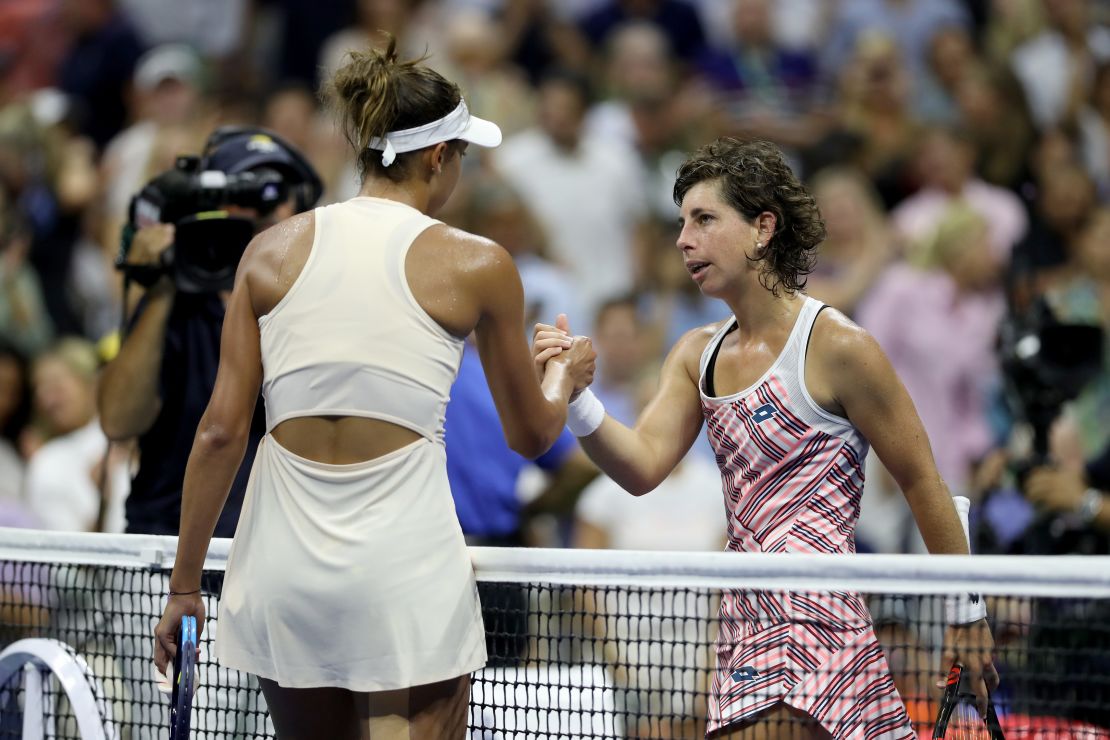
x: 605, y: 644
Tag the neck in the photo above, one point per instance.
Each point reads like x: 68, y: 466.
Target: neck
x: 758, y: 311
x: 410, y: 192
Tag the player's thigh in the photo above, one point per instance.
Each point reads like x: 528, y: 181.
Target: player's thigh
x: 781, y: 722
x: 307, y: 714
x: 436, y: 711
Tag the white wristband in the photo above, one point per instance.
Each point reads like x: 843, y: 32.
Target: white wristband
x: 964, y: 608
x: 585, y: 414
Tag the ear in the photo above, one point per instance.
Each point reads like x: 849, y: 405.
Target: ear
x: 765, y: 225
x: 440, y: 153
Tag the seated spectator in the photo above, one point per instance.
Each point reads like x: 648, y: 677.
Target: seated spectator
x: 676, y: 18
x: 945, y: 165
x: 951, y: 55
x: 586, y: 193
x: 660, y: 656
x: 949, y: 308
x: 15, y: 412
x: 648, y: 109
x: 909, y: 23
x: 766, y: 89
x: 67, y: 485
x: 874, y: 125
x: 622, y: 349
x: 1064, y: 199
x: 24, y: 322
x: 994, y: 113
x: 859, y: 242
x: 1057, y: 66
x: 1094, y: 132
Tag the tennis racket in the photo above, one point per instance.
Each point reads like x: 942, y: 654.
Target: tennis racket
x: 969, y: 727
x: 184, y: 679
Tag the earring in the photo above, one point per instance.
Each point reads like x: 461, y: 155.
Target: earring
x: 759, y: 245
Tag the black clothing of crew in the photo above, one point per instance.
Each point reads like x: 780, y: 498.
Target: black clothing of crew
x: 191, y: 355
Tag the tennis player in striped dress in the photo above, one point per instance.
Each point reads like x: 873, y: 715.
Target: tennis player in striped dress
x: 793, y: 394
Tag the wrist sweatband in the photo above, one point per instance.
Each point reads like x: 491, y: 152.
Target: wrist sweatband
x: 968, y: 607
x: 585, y: 414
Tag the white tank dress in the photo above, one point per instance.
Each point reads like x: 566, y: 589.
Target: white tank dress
x: 354, y: 576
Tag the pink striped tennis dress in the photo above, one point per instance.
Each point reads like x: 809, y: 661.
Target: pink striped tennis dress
x: 792, y: 475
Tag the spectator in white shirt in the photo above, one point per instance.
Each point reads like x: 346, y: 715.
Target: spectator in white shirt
x: 64, y: 485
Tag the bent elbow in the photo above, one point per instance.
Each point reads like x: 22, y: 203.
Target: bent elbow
x: 530, y: 445
x: 214, y: 436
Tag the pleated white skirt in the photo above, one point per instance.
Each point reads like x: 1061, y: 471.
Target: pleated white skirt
x: 354, y: 576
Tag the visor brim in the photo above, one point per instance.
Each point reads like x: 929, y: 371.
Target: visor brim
x: 481, y: 132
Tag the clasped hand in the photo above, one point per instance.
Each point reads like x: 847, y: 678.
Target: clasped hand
x: 556, y: 344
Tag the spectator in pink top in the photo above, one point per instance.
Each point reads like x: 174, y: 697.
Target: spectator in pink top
x: 946, y: 168
x: 948, y: 310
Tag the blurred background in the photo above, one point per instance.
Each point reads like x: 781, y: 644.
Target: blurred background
x: 959, y: 151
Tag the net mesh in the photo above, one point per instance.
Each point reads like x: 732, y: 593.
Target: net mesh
x: 619, y: 645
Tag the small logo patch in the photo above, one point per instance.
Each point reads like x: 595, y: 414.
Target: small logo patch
x: 747, y: 673
x: 764, y: 412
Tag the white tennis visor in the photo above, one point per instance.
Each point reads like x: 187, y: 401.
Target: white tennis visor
x: 458, y: 124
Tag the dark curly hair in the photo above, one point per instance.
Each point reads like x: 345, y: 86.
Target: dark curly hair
x: 754, y: 178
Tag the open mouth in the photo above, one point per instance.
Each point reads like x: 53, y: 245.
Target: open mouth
x: 696, y: 268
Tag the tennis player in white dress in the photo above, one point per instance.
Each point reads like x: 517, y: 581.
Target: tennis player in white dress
x: 349, y: 591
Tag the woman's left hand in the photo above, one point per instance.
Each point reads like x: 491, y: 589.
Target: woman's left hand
x: 165, y: 634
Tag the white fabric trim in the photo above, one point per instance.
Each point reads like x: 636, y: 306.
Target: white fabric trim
x: 458, y: 124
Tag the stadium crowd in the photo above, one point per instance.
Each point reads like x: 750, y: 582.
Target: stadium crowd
x: 959, y: 151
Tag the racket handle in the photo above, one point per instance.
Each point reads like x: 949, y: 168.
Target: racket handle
x: 948, y: 700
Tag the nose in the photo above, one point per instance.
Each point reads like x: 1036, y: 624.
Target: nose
x: 685, y: 238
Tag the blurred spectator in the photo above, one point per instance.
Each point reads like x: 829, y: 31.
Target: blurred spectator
x: 166, y: 113
x: 1065, y: 197
x: 798, y: 24
x: 676, y: 18
x: 1094, y: 132
x: 660, y: 656
x: 476, y: 52
x: 24, y: 322
x: 910, y: 23
x: 648, y: 110
x: 875, y: 127
x: 31, y: 44
x: 946, y: 169
x: 542, y: 35
x: 1081, y: 294
x: 493, y: 209
x: 951, y: 56
x: 1010, y: 24
x: 766, y: 88
x: 213, y: 27
x: 622, y: 349
x: 292, y: 111
x: 1057, y: 66
x: 99, y: 65
x: 410, y: 21
x: 993, y: 112
x: 859, y: 243
x: 916, y: 314
x: 67, y: 486
x: 15, y: 413
x: 485, y: 474
x: 50, y: 178
x: 585, y: 192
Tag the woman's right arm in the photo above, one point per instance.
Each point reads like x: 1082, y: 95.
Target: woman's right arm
x: 638, y: 459
x: 532, y: 411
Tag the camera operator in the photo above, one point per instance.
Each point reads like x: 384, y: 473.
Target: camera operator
x: 159, y: 384
x: 1080, y: 493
